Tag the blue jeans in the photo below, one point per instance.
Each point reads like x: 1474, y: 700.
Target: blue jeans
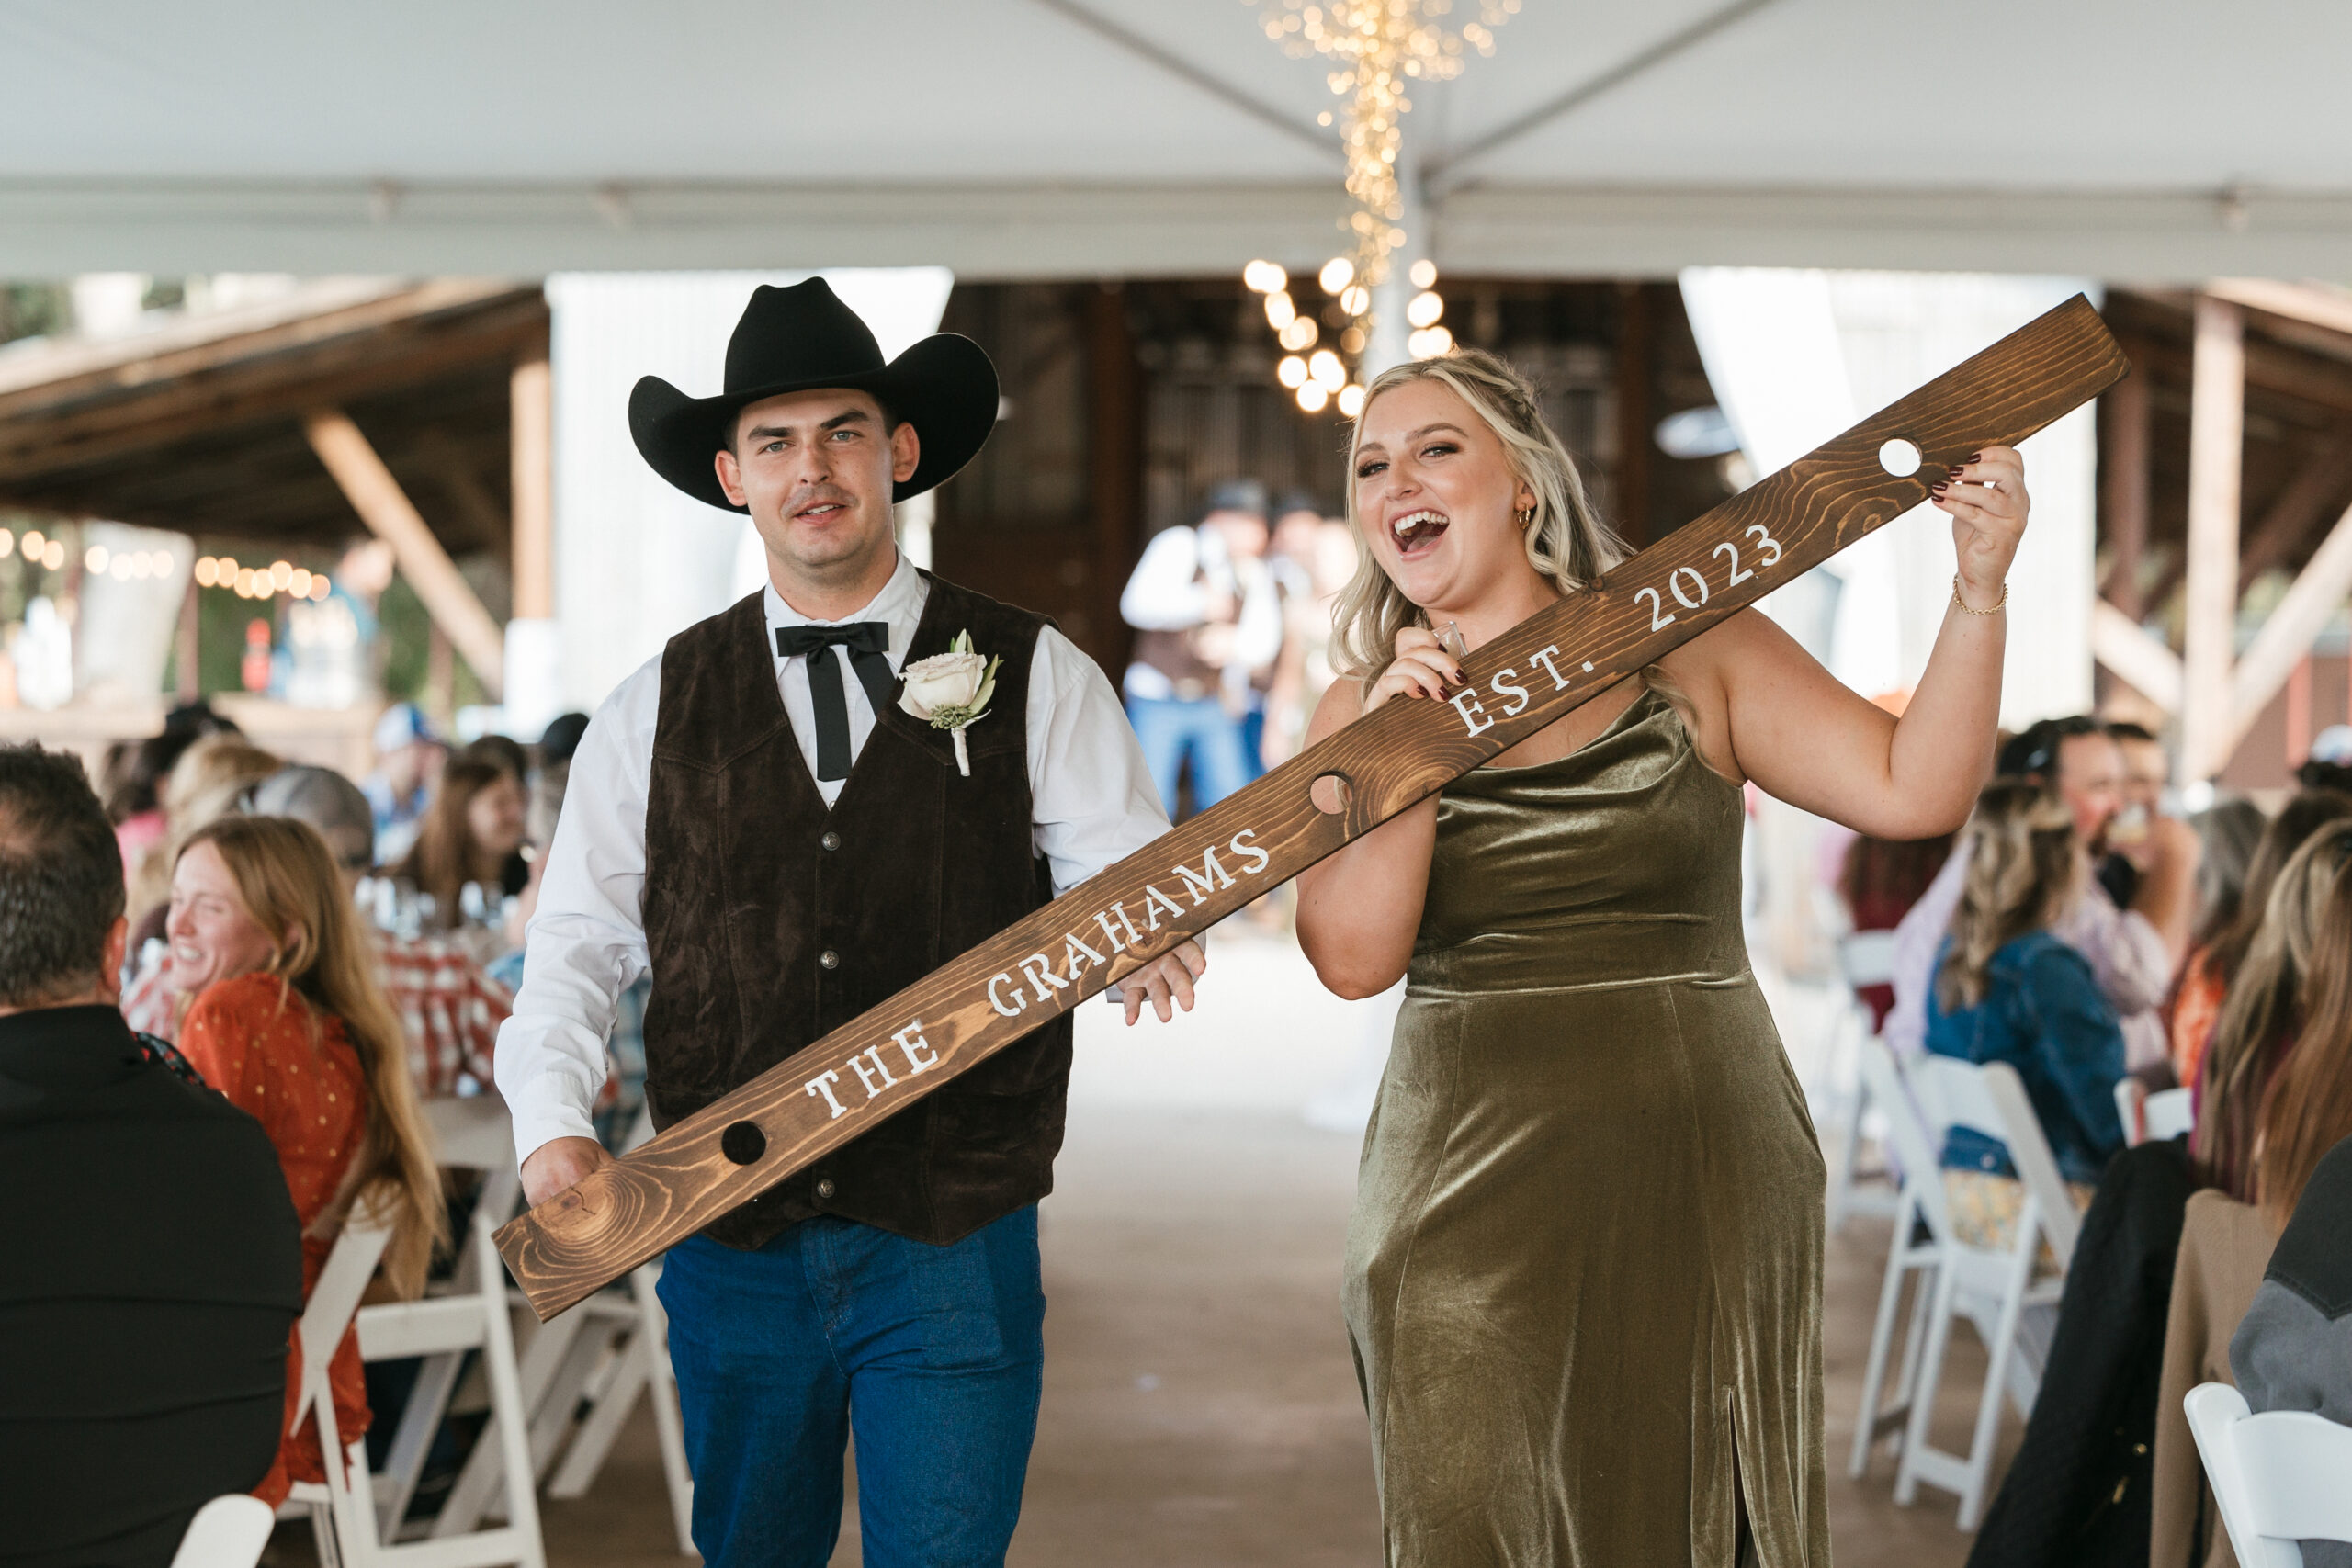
x: 933, y: 1355
x: 1168, y: 727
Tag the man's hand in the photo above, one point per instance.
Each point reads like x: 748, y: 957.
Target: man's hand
x: 560, y: 1164
x: 1166, y: 977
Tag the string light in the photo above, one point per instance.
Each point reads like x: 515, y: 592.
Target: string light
x: 52, y: 554
x: 1424, y: 273
x: 1312, y: 396
x: 299, y: 583
x: 33, y: 543
x: 208, y: 571
x: 1300, y: 335
x: 1424, y: 309
x: 7, y: 543
x: 1356, y: 299
x: 1280, y: 312
x: 318, y: 588
x: 1337, y: 274
x: 246, y: 579
x: 1376, y: 48
x: 1428, y: 343
x: 281, y: 575
x: 120, y: 569
x: 1265, y: 277
x: 1352, y: 399
x: 94, y: 560
x: 1292, y: 371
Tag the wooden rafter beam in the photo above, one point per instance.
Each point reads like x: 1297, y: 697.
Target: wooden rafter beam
x: 2313, y: 304
x: 2134, y: 657
x: 2287, y: 634
x: 2216, y: 447
x: 376, y: 496
x: 531, y: 441
x: 2307, y: 499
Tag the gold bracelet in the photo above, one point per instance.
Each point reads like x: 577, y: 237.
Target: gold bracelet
x: 1972, y: 609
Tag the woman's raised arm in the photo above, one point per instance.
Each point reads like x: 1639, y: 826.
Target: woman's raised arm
x: 1785, y: 722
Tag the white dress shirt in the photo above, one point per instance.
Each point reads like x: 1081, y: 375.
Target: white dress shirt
x: 1091, y: 803
x: 1169, y: 592
x: 2127, y: 954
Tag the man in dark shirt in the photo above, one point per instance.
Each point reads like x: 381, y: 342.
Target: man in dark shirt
x: 151, y: 1267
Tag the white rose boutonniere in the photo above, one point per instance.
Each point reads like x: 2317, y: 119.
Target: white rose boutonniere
x: 951, y: 691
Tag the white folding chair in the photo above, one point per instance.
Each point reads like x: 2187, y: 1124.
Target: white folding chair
x: 474, y: 1134
x: 580, y: 1375
x: 1864, y: 958
x: 2012, y: 1311
x: 2280, y: 1477
x: 227, y: 1532
x: 1919, y: 1208
x: 2132, y: 1110
x: 2168, y: 1113
x: 345, y: 1511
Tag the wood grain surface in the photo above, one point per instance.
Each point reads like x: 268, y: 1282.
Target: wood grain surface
x: 1255, y: 840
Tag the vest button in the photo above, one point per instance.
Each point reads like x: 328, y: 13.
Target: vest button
x: 831, y: 841
x: 825, y: 1189
x: 829, y: 959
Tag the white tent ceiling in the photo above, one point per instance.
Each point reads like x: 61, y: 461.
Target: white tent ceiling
x: 2157, y: 139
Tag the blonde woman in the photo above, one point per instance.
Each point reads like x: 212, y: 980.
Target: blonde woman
x: 2008, y: 989
x: 1584, y: 1272
x: 2269, y: 1006
x: 290, y: 1025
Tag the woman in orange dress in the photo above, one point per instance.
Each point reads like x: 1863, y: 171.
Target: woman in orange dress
x: 288, y: 1022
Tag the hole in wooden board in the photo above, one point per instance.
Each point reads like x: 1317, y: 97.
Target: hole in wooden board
x: 743, y: 1142
x: 1899, y: 458
x: 1331, y: 792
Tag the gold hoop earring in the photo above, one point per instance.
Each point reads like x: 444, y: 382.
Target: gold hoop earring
x: 1527, y: 517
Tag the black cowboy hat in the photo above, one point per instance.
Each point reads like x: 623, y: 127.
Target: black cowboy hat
x: 803, y: 338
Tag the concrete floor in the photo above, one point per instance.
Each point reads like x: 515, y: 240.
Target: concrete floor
x: 1201, y: 1405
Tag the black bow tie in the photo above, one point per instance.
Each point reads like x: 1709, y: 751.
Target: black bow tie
x: 869, y: 647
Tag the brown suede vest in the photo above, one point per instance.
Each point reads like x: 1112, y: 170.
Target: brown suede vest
x: 772, y: 920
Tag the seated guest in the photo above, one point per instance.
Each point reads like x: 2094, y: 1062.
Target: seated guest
x: 2131, y: 951
x: 1880, y: 880
x: 408, y: 757
x: 2080, y: 1487
x: 2008, y: 990
x: 2216, y: 959
x: 448, y: 1005
x: 289, y: 1024
x: 2305, y: 1110
x: 2293, y: 1349
x: 2264, y: 1011
x: 154, y: 1262
x: 470, y: 834
x: 206, y: 782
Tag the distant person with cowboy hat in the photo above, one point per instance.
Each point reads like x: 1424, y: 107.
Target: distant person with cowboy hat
x: 806, y: 803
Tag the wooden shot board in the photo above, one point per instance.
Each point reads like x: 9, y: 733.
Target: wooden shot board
x: 1255, y: 840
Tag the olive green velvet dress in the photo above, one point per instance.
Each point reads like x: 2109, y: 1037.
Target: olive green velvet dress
x: 1584, y: 1271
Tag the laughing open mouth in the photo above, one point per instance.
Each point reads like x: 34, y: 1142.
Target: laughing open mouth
x: 1416, y: 530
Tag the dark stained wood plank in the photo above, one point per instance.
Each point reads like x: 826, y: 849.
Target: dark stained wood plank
x: 1188, y: 880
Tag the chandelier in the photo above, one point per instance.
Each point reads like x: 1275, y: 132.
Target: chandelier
x: 1376, y: 48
